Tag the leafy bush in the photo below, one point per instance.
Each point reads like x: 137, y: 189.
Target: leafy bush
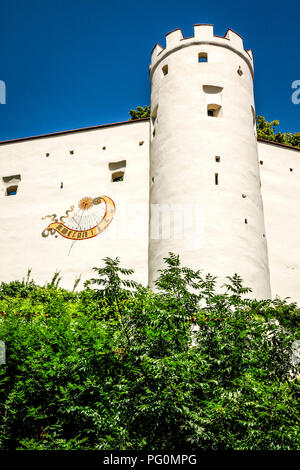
x: 267, y: 130
x: 181, y: 367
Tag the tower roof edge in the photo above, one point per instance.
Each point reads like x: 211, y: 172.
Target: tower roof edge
x: 203, y: 33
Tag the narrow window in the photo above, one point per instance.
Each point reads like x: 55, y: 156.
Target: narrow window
x: 11, y: 190
x: 216, y: 178
x: 261, y: 162
x: 141, y: 142
x: 117, y: 176
x: 213, y: 110
x: 213, y: 100
x: 11, y: 184
x: 246, y: 221
x: 71, y: 152
x: 291, y: 169
x: 240, y: 71
x: 202, y: 57
x: 165, y: 70
x: 218, y: 159
x: 117, y: 170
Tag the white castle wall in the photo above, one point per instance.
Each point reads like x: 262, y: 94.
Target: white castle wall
x: 85, y: 173
x: 179, y: 167
x: 281, y: 195
x: 184, y: 147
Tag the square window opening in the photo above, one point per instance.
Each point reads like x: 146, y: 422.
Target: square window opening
x: 202, y: 57
x: 117, y: 176
x: 11, y: 184
x: 214, y: 110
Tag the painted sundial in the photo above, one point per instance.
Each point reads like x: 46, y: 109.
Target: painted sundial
x: 89, y: 219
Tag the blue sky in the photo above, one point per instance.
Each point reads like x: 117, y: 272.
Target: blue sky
x: 77, y: 63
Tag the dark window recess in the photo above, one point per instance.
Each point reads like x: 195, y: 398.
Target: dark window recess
x: 218, y: 159
x: 261, y: 162
x: 11, y: 191
x: 165, y: 70
x: 214, y: 110
x: 216, y: 178
x: 291, y: 169
x: 117, y: 170
x: 113, y: 166
x: 117, y: 176
x: 246, y: 221
x: 202, y: 57
x: 11, y: 184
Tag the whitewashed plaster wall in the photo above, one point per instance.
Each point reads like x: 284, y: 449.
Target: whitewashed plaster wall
x: 83, y: 173
x: 280, y: 176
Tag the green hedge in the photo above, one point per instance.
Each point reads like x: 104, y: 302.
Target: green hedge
x: 111, y: 368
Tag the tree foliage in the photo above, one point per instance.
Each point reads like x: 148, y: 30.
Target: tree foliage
x: 123, y: 367
x: 267, y: 130
x: 139, y: 113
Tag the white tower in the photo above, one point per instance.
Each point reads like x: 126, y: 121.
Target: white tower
x: 204, y: 158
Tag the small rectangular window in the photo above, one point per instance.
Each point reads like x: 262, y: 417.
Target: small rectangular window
x: 117, y: 176
x: 218, y: 159
x: 11, y: 184
x: 216, y: 178
x: 214, y: 110
x: 165, y: 70
x: 12, y: 191
x: 202, y: 57
x: 117, y: 170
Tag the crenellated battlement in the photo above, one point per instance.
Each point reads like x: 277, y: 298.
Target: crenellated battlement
x: 203, y: 34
